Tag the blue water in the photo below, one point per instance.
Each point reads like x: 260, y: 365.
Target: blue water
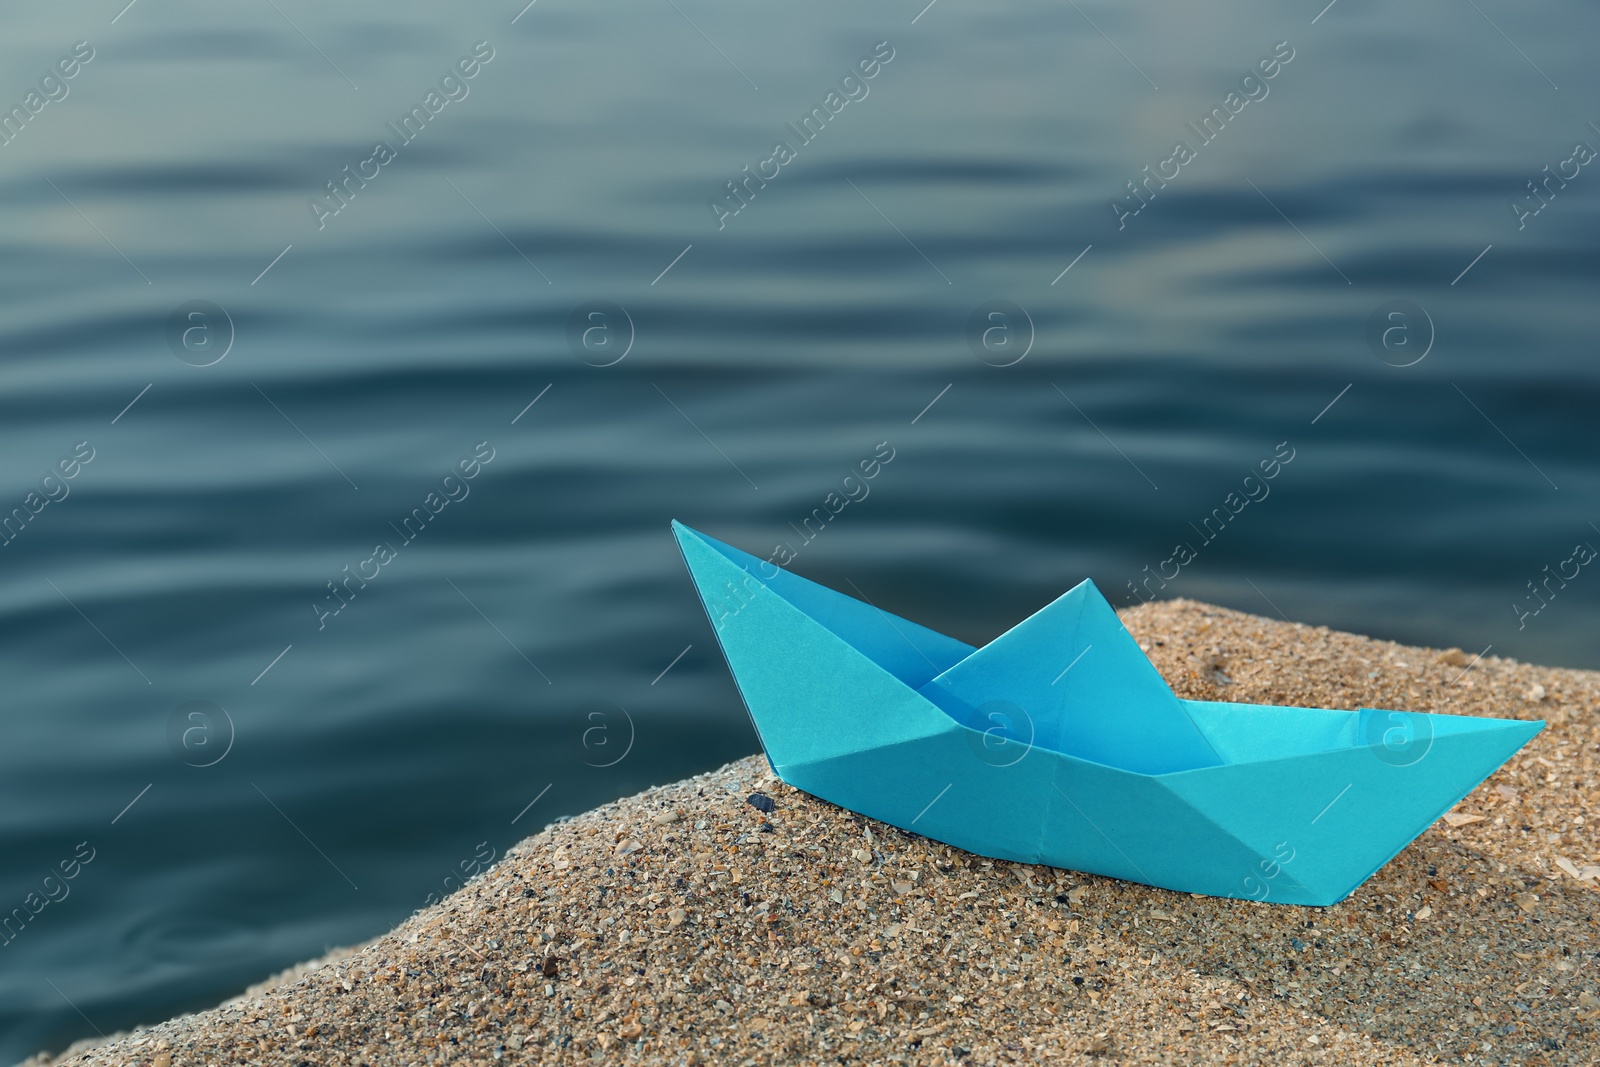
x: 167, y: 605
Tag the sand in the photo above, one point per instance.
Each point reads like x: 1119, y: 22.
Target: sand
x: 685, y: 926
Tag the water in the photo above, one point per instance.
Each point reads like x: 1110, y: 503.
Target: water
x: 485, y: 668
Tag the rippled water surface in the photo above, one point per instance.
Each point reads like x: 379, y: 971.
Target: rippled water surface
x: 255, y: 776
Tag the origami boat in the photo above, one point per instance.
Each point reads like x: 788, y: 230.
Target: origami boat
x: 1059, y: 743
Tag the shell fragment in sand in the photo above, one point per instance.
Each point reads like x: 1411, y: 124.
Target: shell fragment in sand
x: 1455, y: 819
x: 1582, y: 874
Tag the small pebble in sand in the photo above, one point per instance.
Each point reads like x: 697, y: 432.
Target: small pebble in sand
x: 1536, y: 694
x: 761, y: 802
x: 550, y: 968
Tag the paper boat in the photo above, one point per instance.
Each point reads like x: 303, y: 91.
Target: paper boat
x: 1059, y: 743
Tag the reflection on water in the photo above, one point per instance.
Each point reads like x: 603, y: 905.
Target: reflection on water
x: 271, y: 278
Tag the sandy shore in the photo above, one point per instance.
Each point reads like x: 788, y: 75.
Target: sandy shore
x: 685, y: 926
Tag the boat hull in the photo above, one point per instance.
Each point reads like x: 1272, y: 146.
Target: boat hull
x: 1306, y: 829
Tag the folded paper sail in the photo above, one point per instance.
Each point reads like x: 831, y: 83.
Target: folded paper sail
x: 1059, y: 743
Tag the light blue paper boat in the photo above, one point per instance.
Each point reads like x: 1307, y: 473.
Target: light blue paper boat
x: 1059, y: 743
